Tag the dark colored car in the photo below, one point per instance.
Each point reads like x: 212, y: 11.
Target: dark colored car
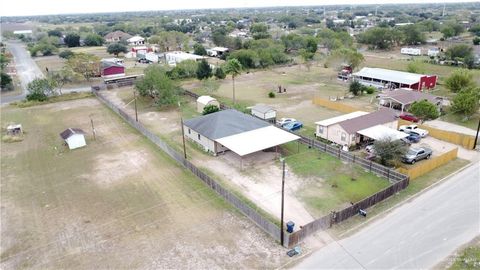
x: 409, y: 117
x: 413, y: 137
x: 292, y: 126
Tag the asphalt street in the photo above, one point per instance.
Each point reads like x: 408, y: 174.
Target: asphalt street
x: 417, y: 235
x: 27, y: 71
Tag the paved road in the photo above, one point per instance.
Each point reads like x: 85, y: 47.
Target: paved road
x: 417, y: 235
x: 27, y: 69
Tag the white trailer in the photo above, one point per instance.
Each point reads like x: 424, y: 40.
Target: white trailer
x: 411, y: 51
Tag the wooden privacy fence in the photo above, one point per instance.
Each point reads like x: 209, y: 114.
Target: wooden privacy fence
x: 272, y: 229
x: 341, y: 107
x: 464, y: 140
x: 426, y: 166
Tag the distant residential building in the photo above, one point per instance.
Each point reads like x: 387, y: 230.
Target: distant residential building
x: 217, y: 51
x: 136, y: 40
x: 403, y: 24
x: 23, y: 32
x: 172, y: 58
x: 116, y: 36
x: 411, y: 51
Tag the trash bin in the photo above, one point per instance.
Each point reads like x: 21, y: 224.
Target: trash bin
x: 290, y: 226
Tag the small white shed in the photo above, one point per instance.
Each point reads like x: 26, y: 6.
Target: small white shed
x: 264, y: 112
x: 203, y: 101
x: 74, y: 138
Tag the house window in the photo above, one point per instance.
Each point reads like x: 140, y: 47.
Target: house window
x: 320, y: 129
x: 189, y: 131
x: 199, y: 137
x: 344, y: 136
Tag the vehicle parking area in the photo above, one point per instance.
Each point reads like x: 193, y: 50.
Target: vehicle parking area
x: 437, y: 146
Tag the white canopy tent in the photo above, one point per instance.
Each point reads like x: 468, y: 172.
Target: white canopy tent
x: 379, y: 132
x: 257, y: 140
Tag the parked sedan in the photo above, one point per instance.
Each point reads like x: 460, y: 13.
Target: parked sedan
x: 414, y: 128
x: 416, y: 154
x: 413, y: 137
x: 284, y: 121
x: 409, y: 117
x: 292, y: 126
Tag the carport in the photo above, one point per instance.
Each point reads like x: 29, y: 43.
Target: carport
x: 379, y: 132
x: 256, y: 140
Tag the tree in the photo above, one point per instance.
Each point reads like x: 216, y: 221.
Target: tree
x: 381, y: 38
x: 347, y: 56
x: 307, y: 56
x: 116, y: 49
x: 413, y: 35
x: 459, y: 79
x: 259, y: 31
x: 466, y: 102
x: 204, y: 71
x: 66, y: 54
x: 233, y: 67
x: 475, y: 29
x: 198, y: 49
x: 55, y: 32
x: 72, y: 40
x: 4, y: 60
x: 87, y: 65
x: 476, y: 41
x: 63, y: 76
x: 40, y: 89
x: 210, y: 109
x: 416, y: 67
x: 424, y: 110
x: 311, y: 44
x: 451, y: 29
x: 183, y: 70
x: 219, y: 73
x: 355, y: 88
x: 6, y: 82
x: 389, y: 151
x: 157, y: 85
x: 459, y: 51
x: 93, y: 40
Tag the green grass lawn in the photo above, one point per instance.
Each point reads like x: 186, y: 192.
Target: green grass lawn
x: 331, y: 184
x: 415, y: 186
x: 468, y: 259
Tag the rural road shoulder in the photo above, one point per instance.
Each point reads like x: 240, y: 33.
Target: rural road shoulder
x: 416, y: 235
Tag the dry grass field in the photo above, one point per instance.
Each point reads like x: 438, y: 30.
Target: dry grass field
x: 117, y: 203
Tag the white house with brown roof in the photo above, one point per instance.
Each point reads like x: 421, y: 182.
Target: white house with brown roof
x: 116, y: 36
x: 348, y: 130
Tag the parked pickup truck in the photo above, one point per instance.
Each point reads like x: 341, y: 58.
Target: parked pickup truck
x: 415, y: 128
x: 416, y: 154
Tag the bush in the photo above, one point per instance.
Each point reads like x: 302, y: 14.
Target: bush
x: 459, y: 79
x: 271, y: 95
x: 476, y: 41
x: 219, y: 73
x: 210, y: 109
x: 370, y: 90
x: 424, y: 110
x: 356, y: 88
x: 66, y: 54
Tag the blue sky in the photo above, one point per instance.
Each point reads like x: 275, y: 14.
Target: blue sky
x: 42, y: 7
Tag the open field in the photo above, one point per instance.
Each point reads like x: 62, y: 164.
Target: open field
x: 308, y: 190
x: 116, y: 203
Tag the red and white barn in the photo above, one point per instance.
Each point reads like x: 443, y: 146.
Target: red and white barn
x: 393, y: 79
x: 112, y: 67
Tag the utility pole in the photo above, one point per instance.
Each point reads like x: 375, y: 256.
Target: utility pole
x: 443, y: 13
x: 282, y: 229
x: 93, y: 128
x: 135, y: 101
x: 476, y: 136
x: 183, y: 139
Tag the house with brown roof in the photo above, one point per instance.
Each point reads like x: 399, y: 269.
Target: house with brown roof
x: 347, y: 132
x: 116, y: 36
x: 402, y: 99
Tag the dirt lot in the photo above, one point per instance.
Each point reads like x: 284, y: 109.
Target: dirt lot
x: 116, y: 203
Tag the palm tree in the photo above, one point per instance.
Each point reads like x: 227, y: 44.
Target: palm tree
x: 234, y: 68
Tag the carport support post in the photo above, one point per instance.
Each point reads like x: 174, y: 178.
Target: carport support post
x: 476, y: 137
x: 283, y: 197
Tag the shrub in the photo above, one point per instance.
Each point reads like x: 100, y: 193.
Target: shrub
x: 370, y: 90
x: 66, y: 54
x: 476, y: 41
x: 219, y: 73
x: 356, y: 88
x: 271, y: 95
x: 424, y: 110
x: 210, y: 109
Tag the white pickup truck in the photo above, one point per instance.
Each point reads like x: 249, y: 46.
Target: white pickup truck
x: 414, y: 128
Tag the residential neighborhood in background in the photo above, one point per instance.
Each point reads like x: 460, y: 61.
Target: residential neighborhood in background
x: 253, y: 137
